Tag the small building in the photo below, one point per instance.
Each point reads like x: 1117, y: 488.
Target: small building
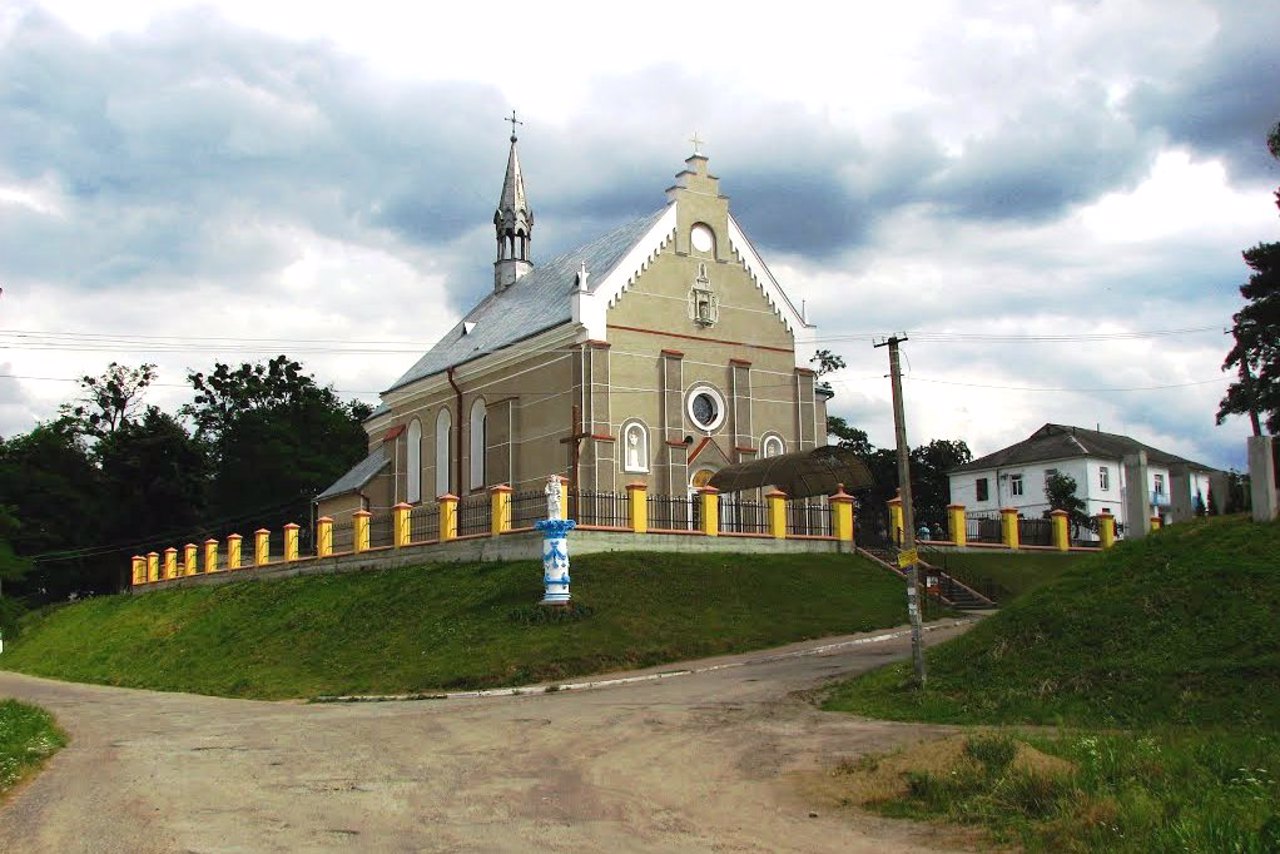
x: 659, y: 352
x: 1015, y: 476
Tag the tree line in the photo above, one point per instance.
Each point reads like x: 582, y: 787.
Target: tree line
x: 113, y: 476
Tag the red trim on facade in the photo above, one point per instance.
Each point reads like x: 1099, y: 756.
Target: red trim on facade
x: 393, y: 432
x: 706, y: 340
x: 672, y: 444
x: 742, y: 449
x: 743, y: 363
x: 706, y: 440
x: 806, y: 372
x: 603, y: 437
x: 675, y: 353
x: 601, y: 345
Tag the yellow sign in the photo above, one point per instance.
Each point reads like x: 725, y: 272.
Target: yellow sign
x: 910, y: 556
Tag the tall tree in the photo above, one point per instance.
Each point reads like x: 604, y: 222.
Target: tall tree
x: 1255, y: 354
x: 1060, y: 492
x: 275, y: 437
x: 111, y: 400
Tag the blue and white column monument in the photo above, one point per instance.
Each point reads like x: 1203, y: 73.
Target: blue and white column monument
x: 555, y: 546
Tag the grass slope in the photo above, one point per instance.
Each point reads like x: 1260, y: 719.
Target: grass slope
x: 453, y: 626
x: 28, y: 736
x: 1176, y: 628
x: 1003, y: 576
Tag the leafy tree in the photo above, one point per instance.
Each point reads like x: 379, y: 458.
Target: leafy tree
x: 275, y: 437
x: 110, y: 401
x: 1255, y: 355
x: 1060, y: 492
x: 930, y: 486
x: 849, y: 437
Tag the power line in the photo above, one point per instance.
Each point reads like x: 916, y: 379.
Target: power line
x: 1040, y: 388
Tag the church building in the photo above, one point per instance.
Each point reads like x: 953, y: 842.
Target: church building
x: 659, y: 352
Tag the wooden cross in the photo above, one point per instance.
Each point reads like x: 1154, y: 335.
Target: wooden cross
x: 514, y: 121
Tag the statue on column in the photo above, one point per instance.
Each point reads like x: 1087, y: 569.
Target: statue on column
x: 555, y: 546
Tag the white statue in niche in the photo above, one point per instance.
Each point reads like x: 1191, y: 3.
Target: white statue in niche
x: 633, y: 448
x: 554, y: 492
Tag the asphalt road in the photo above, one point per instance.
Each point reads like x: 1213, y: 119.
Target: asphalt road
x: 708, y: 761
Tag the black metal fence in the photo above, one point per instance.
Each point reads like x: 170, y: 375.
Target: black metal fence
x: 1035, y: 532
x: 424, y: 523
x: 381, y: 531
x: 528, y: 507
x: 474, y: 514
x: 604, y: 509
x: 343, y: 537
x: 809, y: 518
x: 983, y: 527
x: 743, y: 516
x: 671, y: 512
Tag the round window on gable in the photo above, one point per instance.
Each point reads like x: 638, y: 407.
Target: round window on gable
x: 702, y: 238
x: 706, y: 408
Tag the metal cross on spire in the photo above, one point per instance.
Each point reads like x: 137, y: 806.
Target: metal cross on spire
x: 697, y: 143
x: 514, y: 121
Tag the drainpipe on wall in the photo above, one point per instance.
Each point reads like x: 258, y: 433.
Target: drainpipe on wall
x: 457, y: 456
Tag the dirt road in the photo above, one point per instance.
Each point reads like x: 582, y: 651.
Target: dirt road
x: 700, y: 762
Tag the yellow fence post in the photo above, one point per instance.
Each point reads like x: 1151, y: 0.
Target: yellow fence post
x: 170, y: 563
x: 638, y: 507
x: 895, y: 521
x: 842, y: 515
x: 777, y: 514
x: 261, y: 547
x: 1156, y: 523
x: 448, y: 517
x: 360, y: 530
x: 400, y: 524
x: 1009, y: 527
x: 210, y: 555
x: 189, y: 552
x: 1061, y: 539
x: 1107, y: 530
x: 324, y: 536
x: 291, y: 542
x: 710, y: 498
x: 234, y: 544
x: 955, y: 522
x: 153, y: 566
x: 139, y: 569
x: 499, y: 509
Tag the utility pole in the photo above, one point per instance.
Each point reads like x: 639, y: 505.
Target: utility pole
x: 907, y: 557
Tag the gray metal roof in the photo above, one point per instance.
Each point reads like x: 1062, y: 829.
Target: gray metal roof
x: 1062, y: 441
x: 538, y: 300
x: 360, y: 474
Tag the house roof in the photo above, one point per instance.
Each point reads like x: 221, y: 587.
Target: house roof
x: 536, y: 301
x: 360, y: 474
x: 1062, y: 441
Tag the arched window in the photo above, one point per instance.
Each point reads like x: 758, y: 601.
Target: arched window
x: 772, y: 446
x: 444, y: 442
x: 635, y: 447
x: 413, y: 462
x: 479, y: 420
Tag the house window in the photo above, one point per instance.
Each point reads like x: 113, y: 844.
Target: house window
x: 1159, y: 479
x: 413, y: 462
x: 1015, y: 484
x: 706, y: 408
x: 772, y: 446
x: 444, y: 444
x: 1104, y: 478
x: 635, y: 447
x: 983, y: 489
x: 479, y: 424
x: 1050, y: 474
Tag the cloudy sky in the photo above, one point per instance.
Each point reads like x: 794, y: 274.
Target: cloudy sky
x: 1050, y: 199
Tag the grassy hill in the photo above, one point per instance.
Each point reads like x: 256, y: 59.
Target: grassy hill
x: 452, y: 626
x: 1161, y: 657
x: 1178, y: 628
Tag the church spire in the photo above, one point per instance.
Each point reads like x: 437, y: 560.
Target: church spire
x: 513, y: 222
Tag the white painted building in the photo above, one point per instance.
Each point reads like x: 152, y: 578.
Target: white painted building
x: 1015, y: 476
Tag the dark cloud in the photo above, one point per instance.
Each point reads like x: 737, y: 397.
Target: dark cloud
x: 1224, y: 103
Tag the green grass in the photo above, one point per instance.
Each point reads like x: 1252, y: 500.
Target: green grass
x: 28, y: 736
x: 1003, y: 576
x: 1162, y: 656
x: 453, y: 626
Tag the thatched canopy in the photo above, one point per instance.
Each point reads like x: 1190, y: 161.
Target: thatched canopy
x: 801, y: 474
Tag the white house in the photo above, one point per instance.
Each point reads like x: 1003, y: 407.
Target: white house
x: 1015, y: 476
